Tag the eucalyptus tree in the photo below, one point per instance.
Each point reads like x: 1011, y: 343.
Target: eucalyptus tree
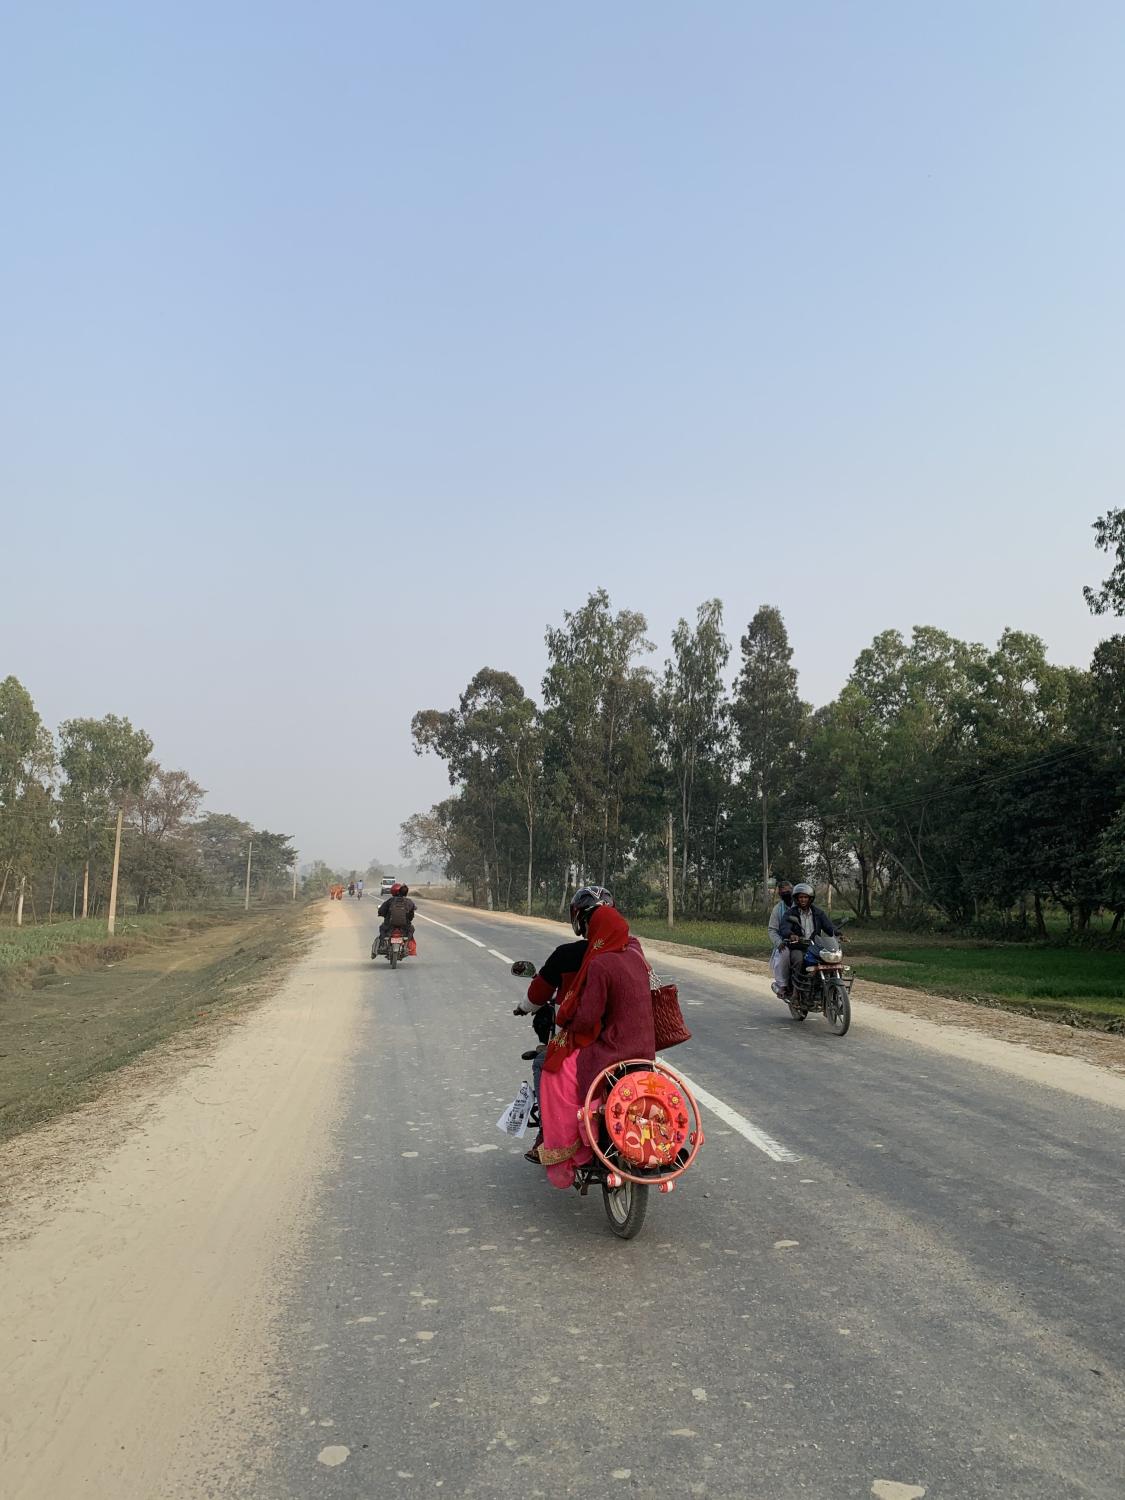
x: 769, y: 717
x: 690, y: 714
x: 598, y: 724
x: 272, y: 864
x: 222, y: 844
x: 105, y: 761
x: 27, y: 808
x: 1109, y: 536
x: 902, y: 702
x: 489, y: 743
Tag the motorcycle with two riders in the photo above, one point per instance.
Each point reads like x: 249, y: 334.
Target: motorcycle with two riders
x: 819, y: 979
x: 639, y: 1118
x: 395, y: 939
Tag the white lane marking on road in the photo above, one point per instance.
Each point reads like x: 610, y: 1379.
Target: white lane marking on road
x: 746, y: 1128
x: 503, y: 957
x: 456, y: 931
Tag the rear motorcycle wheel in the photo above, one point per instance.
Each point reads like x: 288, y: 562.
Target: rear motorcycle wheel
x: 625, y: 1208
x: 393, y: 957
x: 796, y: 1010
x: 838, y: 1007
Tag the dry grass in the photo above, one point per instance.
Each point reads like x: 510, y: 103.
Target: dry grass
x: 71, y: 1016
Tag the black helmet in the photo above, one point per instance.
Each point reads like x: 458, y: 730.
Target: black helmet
x: 583, y: 902
x: 404, y: 890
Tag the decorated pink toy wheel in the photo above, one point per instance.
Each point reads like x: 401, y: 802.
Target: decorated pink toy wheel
x: 642, y: 1121
x: 646, y: 1118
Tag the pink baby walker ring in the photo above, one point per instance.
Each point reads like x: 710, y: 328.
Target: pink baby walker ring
x: 641, y: 1121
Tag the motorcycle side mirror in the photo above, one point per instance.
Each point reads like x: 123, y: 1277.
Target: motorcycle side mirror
x: 523, y: 968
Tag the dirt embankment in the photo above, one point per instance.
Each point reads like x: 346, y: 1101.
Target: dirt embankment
x: 88, y: 1009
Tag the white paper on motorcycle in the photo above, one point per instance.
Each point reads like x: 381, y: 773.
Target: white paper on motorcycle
x: 514, y: 1119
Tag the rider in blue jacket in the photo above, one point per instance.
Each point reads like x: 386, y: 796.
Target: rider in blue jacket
x: 798, y: 927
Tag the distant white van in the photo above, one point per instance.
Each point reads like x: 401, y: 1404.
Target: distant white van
x: 386, y: 883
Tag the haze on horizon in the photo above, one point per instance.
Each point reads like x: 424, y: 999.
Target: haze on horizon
x: 345, y: 348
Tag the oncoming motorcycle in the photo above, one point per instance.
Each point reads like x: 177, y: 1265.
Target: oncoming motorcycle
x: 643, y: 1125
x: 822, y: 981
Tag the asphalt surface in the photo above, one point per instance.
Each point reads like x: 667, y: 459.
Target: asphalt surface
x: 923, y: 1297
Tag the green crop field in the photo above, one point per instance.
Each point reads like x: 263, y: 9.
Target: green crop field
x: 1032, y: 974
x: 743, y: 939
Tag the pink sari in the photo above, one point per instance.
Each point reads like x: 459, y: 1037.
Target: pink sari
x: 562, y: 1149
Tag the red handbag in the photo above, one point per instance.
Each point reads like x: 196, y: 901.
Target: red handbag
x: 667, y: 1017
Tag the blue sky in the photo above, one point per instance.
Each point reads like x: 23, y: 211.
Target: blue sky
x: 341, y: 334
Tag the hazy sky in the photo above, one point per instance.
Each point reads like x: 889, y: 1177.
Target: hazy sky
x: 344, y: 345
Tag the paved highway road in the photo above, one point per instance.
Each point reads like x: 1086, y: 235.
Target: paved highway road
x: 891, y: 1273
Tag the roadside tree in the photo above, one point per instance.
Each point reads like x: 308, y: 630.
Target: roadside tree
x: 769, y: 717
x: 105, y: 762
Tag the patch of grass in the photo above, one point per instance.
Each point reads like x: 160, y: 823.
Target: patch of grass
x: 81, y: 1011
x: 35, y: 947
x: 743, y: 939
x: 1065, y: 978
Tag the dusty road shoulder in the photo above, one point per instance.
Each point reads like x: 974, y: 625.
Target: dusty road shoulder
x: 137, y: 1291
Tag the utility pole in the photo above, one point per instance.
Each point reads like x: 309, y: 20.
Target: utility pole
x: 294, y: 878
x: 113, y: 878
x: 249, y: 857
x: 19, y: 901
x: 671, y: 873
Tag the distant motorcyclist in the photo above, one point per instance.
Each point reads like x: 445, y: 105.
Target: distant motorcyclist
x: 359, y: 890
x: 798, y: 927
x: 551, y: 982
x: 351, y: 887
x: 397, y: 911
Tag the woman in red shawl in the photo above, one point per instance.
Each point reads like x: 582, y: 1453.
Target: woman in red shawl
x: 604, y: 1018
